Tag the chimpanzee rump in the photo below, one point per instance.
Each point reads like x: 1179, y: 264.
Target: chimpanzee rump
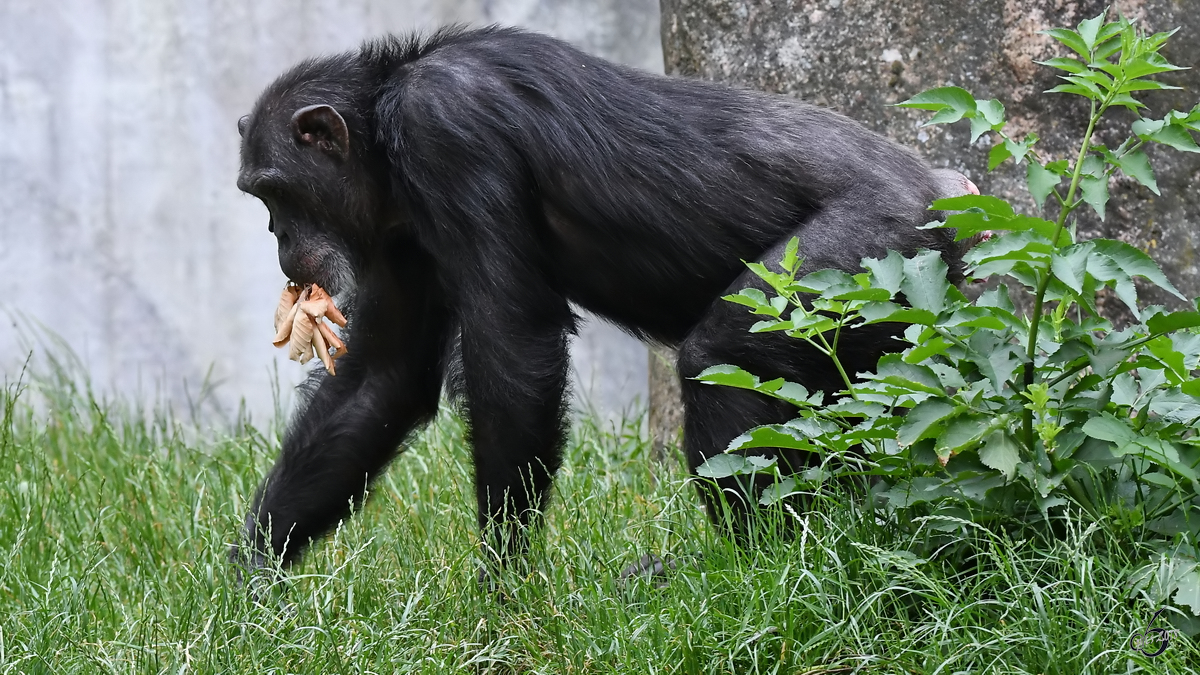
x: 476, y: 182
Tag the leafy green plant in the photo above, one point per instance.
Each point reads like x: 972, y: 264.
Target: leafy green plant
x: 987, y: 414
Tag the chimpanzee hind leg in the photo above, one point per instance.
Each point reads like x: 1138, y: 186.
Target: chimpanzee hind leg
x: 714, y: 415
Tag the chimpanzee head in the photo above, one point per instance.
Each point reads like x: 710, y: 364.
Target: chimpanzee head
x: 307, y: 153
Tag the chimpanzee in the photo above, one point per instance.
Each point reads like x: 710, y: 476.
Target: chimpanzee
x: 469, y: 186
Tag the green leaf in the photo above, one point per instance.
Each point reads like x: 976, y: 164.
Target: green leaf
x: 1161, y: 452
x: 1177, y: 137
x: 979, y: 127
x: 1135, y: 263
x: 825, y: 279
x: 1106, y: 357
x: 1165, y: 323
x: 890, y: 312
x: 999, y: 153
x: 1176, y: 407
x: 1041, y: 182
x: 1001, y: 453
x: 771, y: 326
x: 997, y: 297
x: 772, y: 436
x: 954, y: 98
x: 729, y: 376
x: 1192, y: 120
x: 774, y: 279
x: 994, y: 207
x: 1089, y: 29
x: 989, y: 115
x: 960, y: 434
x: 879, y: 294
x: 795, y: 394
x: 1137, y: 166
x: 1144, y: 127
x: 1103, y: 270
x: 755, y: 300
x: 1158, y: 131
x: 849, y: 406
x: 1124, y: 390
x: 945, y: 116
x: 968, y: 224
x: 1152, y: 43
x: 732, y: 376
x: 1111, y: 30
x: 1019, y: 149
x: 991, y: 110
x: 932, y: 347
x: 1100, y: 75
x: 1071, y: 39
x: 807, y: 427
x: 811, y: 324
x: 724, y: 466
x: 1069, y: 265
x: 1027, y: 246
x: 1162, y: 348
x: 918, y: 490
x: 921, y: 420
x: 1145, y: 85
x: 1127, y: 101
x: 1148, y: 65
x: 1073, y: 89
x: 973, y: 222
x: 1189, y: 345
x: 887, y: 273
x: 1064, y: 63
x: 1094, y: 166
x: 791, y: 260
x: 925, y: 285
x: 1095, y: 193
x: 1092, y: 87
x: 1097, y: 78
x: 973, y: 317
x: 1187, y: 591
x: 1106, y: 427
x: 893, y: 370
x: 1105, y: 48
x: 776, y: 492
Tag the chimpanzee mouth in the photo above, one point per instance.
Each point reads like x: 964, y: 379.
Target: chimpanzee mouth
x: 324, y: 267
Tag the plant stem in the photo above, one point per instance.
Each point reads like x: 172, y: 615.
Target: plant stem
x: 1036, y: 317
x: 832, y: 352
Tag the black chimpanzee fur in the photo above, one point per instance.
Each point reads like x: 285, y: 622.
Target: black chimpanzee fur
x: 476, y: 182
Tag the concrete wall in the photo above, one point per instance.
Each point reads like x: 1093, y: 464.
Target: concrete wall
x: 121, y: 230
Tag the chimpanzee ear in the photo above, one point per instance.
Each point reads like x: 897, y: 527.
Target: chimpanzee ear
x: 320, y: 125
x: 243, y: 122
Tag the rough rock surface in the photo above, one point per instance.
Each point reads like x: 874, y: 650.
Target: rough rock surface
x: 860, y: 56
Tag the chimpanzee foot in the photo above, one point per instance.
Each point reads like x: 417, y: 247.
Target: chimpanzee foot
x: 649, y: 567
x: 257, y: 572
x: 251, y: 570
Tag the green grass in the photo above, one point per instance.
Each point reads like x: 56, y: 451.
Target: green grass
x: 115, y: 527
